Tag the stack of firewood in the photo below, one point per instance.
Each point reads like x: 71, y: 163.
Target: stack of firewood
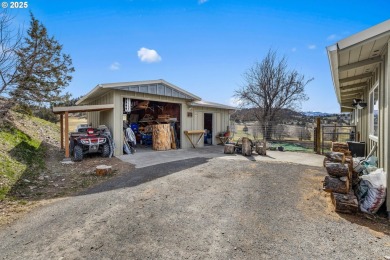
x: 339, y: 165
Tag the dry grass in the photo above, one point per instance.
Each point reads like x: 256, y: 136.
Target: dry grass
x: 74, y: 121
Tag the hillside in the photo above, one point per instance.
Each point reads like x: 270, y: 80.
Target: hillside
x: 22, y: 153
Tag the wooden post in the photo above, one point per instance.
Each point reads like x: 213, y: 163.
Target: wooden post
x: 66, y: 134
x: 318, y: 136
x: 62, y: 130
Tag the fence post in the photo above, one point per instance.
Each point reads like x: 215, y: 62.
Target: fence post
x: 318, y: 136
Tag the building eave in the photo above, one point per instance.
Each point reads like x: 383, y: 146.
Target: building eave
x: 354, y: 59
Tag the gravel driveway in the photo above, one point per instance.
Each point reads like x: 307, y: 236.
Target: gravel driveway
x: 220, y: 208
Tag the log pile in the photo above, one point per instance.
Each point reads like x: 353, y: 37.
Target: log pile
x: 341, y: 148
x: 339, y: 166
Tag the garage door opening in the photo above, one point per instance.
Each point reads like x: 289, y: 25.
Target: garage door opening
x: 208, y: 128
x: 140, y: 115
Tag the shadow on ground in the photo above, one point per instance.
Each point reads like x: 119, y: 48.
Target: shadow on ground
x: 377, y: 222
x: 33, y: 158
x: 146, y: 174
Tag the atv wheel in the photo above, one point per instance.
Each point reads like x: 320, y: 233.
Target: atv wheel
x: 77, y: 153
x: 105, y: 150
x: 71, y: 145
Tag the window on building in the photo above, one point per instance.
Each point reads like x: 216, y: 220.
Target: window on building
x: 374, y: 111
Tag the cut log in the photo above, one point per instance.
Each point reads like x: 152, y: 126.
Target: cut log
x: 349, y: 161
x: 326, y: 160
x: 332, y: 184
x: 103, y: 170
x: 229, y: 148
x: 161, y: 135
x: 355, y: 178
x: 335, y: 156
x: 345, y: 203
x: 341, y: 148
x: 261, y: 148
x: 246, y: 146
x: 337, y: 169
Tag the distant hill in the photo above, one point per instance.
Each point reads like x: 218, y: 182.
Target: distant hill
x: 316, y: 114
x: 247, y: 114
x: 288, y: 116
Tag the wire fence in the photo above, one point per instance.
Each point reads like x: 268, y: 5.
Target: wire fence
x: 275, y: 131
x: 278, y: 134
x: 336, y: 133
x: 295, y: 135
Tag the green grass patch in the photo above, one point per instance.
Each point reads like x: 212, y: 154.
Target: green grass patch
x: 20, y: 157
x: 291, y: 147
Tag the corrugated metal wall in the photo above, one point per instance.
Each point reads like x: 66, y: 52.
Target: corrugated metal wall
x: 102, y: 118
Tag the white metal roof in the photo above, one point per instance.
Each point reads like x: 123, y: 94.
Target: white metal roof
x: 156, y: 87
x: 353, y: 60
x: 201, y: 103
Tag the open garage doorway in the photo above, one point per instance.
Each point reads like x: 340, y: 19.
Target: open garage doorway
x: 208, y: 128
x: 141, y: 115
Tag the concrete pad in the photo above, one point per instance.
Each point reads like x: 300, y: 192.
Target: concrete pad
x: 147, y: 157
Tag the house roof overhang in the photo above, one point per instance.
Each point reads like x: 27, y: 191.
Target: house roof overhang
x: 156, y: 87
x: 354, y: 59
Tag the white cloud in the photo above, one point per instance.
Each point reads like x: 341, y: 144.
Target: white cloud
x: 149, y: 56
x: 312, y: 47
x: 115, y: 66
x: 294, y: 49
x: 202, y: 1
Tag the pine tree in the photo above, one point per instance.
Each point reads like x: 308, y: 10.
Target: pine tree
x: 43, y: 70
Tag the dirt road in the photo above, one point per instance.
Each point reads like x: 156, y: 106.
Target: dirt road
x: 196, y: 209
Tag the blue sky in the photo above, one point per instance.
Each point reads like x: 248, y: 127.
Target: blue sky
x: 203, y: 46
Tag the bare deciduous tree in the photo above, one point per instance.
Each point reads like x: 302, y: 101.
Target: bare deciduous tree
x: 271, y: 86
x: 10, y: 40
